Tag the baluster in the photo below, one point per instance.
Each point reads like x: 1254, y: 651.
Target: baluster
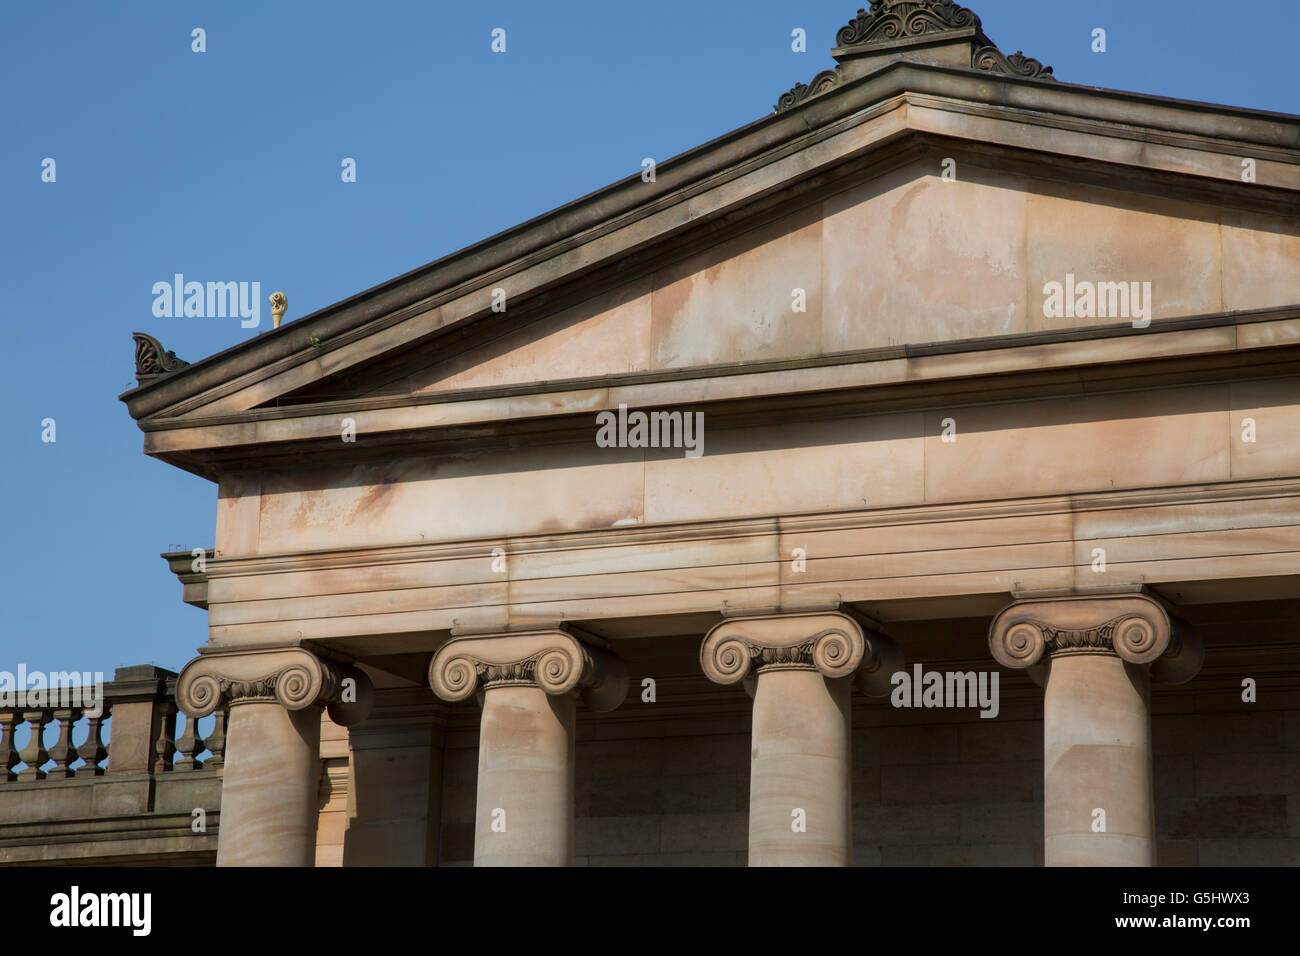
x: 35, y: 754
x: 189, y: 745
x: 165, y: 749
x: 216, y: 740
x: 9, y: 723
x: 64, y: 752
x: 93, y: 749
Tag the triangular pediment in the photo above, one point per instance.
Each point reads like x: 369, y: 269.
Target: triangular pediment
x: 913, y: 203
x: 906, y: 258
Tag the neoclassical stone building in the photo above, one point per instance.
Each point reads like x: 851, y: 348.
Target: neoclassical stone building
x: 612, y: 538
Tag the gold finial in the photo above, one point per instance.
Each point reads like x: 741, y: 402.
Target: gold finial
x: 279, y: 302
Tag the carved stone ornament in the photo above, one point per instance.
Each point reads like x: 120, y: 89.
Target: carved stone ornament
x: 151, y: 360
x: 279, y: 304
x: 553, y: 660
x: 889, y: 20
x: 823, y: 81
x: 829, y: 642
x: 1135, y: 627
x: 891, y: 24
x: 295, y: 678
x: 992, y: 60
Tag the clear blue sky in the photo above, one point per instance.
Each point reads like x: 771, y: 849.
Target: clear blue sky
x: 225, y: 166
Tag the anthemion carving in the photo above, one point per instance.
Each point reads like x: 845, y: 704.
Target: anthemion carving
x: 993, y: 60
x: 151, y: 360
x: 823, y: 81
x: 895, y: 19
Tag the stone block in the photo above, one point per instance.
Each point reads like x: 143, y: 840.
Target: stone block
x: 960, y: 783
x: 1245, y: 775
x: 901, y: 825
x: 997, y: 740
x: 457, y: 843
x: 700, y: 793
x: 713, y: 833
x: 617, y: 836
x: 624, y: 796
x: 1176, y: 853
x: 1222, y: 817
x: 1249, y: 852
x: 1001, y: 823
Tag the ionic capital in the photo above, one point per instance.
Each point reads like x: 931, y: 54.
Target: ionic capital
x: 293, y: 677
x: 825, y: 641
x: 553, y: 660
x: 1135, y: 627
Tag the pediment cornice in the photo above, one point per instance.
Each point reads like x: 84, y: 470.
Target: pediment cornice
x: 1221, y: 347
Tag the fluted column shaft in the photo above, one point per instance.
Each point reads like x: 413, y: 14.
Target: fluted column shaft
x: 800, y: 799
x: 1095, y: 657
x: 272, y: 760
x: 531, y: 682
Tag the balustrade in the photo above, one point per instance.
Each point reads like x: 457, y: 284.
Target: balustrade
x: 66, y: 759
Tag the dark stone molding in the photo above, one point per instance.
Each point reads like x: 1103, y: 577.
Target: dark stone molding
x: 890, y: 20
x: 993, y: 60
x: 906, y: 26
x: 823, y: 81
x: 152, y: 361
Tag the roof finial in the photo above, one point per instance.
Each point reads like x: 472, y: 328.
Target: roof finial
x: 924, y: 31
x: 152, y: 361
x: 279, y: 303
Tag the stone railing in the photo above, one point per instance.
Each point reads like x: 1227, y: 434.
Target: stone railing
x: 142, y: 701
x: 131, y: 791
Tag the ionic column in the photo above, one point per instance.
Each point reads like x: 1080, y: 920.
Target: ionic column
x: 531, y: 682
x: 272, y: 760
x: 1095, y: 657
x: 800, y: 802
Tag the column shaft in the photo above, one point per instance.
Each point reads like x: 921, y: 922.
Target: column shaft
x: 1097, y: 756
x: 799, y: 798
x: 1099, y: 651
x: 269, y: 791
x: 531, y: 681
x: 525, y: 778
